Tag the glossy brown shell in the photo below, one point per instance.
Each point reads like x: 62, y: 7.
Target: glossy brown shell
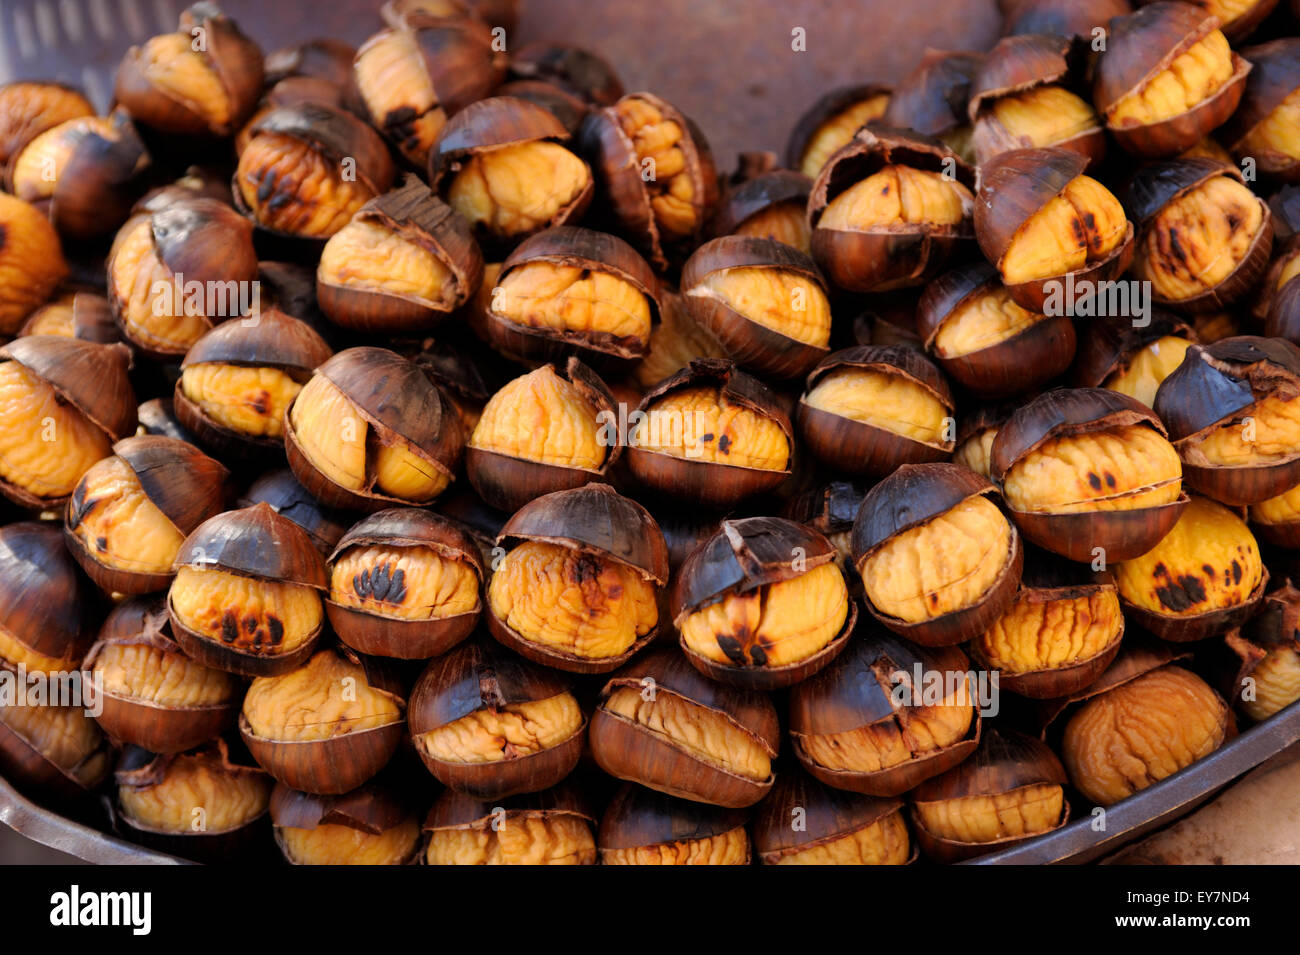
x: 811, y: 120
x: 45, y: 602
x: 372, y: 808
x: 828, y: 815
x: 1275, y: 76
x: 281, y: 490
x: 579, y: 72
x: 90, y: 377
x: 638, y: 817
x: 932, y: 98
x: 1068, y: 17
x: 754, y: 195
x: 92, y: 319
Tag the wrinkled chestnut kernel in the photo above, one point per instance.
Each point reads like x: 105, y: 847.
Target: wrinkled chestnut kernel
x: 644, y: 827
x: 768, y: 206
x: 674, y: 341
x: 553, y: 827
x: 368, y: 826
x: 1263, y: 127
x: 1132, y: 361
x: 31, y: 261
x: 830, y: 123
x: 30, y: 107
x: 838, y: 828
x: 57, y: 750
x: 976, y: 434
x: 1268, y: 679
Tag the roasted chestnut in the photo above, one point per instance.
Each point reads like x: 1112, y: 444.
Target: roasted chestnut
x: 710, y: 435
x: 674, y: 340
x: 246, y: 593
x: 368, y: 826
x: 1069, y: 17
x: 1012, y: 788
x: 48, y: 610
x: 644, y: 827
x: 976, y: 434
x: 802, y: 822
x: 939, y: 560
x: 762, y: 604
x: 1237, y: 18
x: 1088, y: 473
x: 30, y: 107
x: 403, y: 263
x: 1269, y: 646
x: 491, y: 725
x: 1277, y: 519
x: 830, y: 510
x: 578, y: 72
x: 932, y: 99
x: 546, y: 828
x: 763, y: 300
x: 661, y: 724
x: 281, y: 490
x: 131, y: 512
x: 1263, y: 128
x: 1130, y: 359
x: 404, y: 583
x: 66, y: 401
x: 768, y: 206
x: 370, y: 430
x: 55, y: 751
x: 830, y: 123
x: 579, y: 586
x: 31, y: 262
x: 888, y: 210
x: 326, y: 727
x: 83, y: 315
x: 1203, y: 577
x: 157, y: 416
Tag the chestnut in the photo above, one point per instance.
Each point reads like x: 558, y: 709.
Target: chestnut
x: 281, y: 490
x: 1203, y: 237
x: 762, y: 604
x: 31, y: 262
x: 416, y: 74
x: 1237, y: 18
x: 307, y: 169
x: 830, y: 509
x: 83, y: 315
x: 66, y: 402
x: 1020, y: 98
x: 322, y: 58
x: 30, y: 107
x: 202, y: 80
x: 1264, y: 126
x: 553, y: 827
x: 368, y: 826
x: 1228, y: 408
x: 504, y: 165
x: 545, y: 431
x: 984, y: 339
x: 491, y: 725
x: 1052, y: 232
x: 1276, y: 520
x: 768, y: 206
x: 196, y: 182
x: 889, y: 209
x: 976, y: 434
x: 885, y: 715
x: 1010, y: 789
x: 48, y: 609
x: 579, y: 586
x: 177, y: 272
x: 1068, y: 17
x: 870, y: 408
x: 932, y: 99
x: 674, y: 340
x: 830, y: 123
x: 1132, y: 360
x: 1088, y: 473
x: 660, y: 723
x: 1270, y: 651
x: 710, y: 435
x: 404, y: 583
x: 578, y: 72
x: 158, y: 416
x: 802, y: 822
x: 152, y: 694
x: 655, y: 171
x: 370, y: 430
x: 52, y: 751
x: 939, y: 560
x: 462, y: 373
x: 569, y: 108
x: 1204, y: 577
x: 130, y: 512
x: 246, y: 596
x: 1136, y: 734
x: 764, y: 301
x: 326, y: 727
x: 1166, y: 79
x: 644, y: 827
x: 403, y: 264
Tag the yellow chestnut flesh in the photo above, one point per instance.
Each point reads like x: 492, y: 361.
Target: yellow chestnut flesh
x: 496, y: 735
x: 728, y: 848
x: 892, y: 403
x: 784, y: 222
x: 518, y: 840
x: 405, y: 583
x: 1278, y: 132
x: 982, y: 321
x: 27, y: 109
x: 542, y: 417
x: 1035, y: 634
x: 342, y: 845
x: 518, y: 189
x: 838, y: 130
x: 1277, y: 683
x: 13, y: 652
x: 326, y: 697
x: 1141, y: 732
x: 372, y: 257
x: 944, y: 565
x: 1209, y: 561
x: 395, y: 85
x: 572, y: 601
x: 884, y: 842
x: 46, y: 444
x: 701, y: 424
x: 155, y: 311
x: 40, y: 165
x: 292, y: 188
x: 788, y: 303
x: 149, y: 675
x: 195, y: 797
x: 265, y: 617
x: 64, y: 735
x: 990, y: 818
x: 1124, y: 468
x: 172, y: 65
x: 673, y: 343
x: 1044, y: 116
x: 1198, y: 73
x: 118, y: 524
x: 977, y: 451
x: 53, y: 318
x: 1268, y: 432
x: 658, y: 142
x: 569, y: 298
x: 31, y: 261
x: 1283, y: 509
x: 773, y: 625
x: 249, y: 399
x: 1148, y: 367
x: 898, y: 195
x: 1081, y: 226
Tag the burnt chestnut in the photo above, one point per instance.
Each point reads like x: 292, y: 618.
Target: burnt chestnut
x: 48, y: 610
x: 660, y: 723
x: 1069, y: 17
x: 553, y: 827
x: 588, y: 545
x: 246, y: 596
x: 767, y: 206
x: 1268, y: 646
x: 1131, y: 359
x: 802, y: 822
x: 830, y: 123
x: 491, y: 725
x: 939, y: 560
x: 644, y: 827
x: 674, y: 340
x: 30, y: 107
x: 368, y: 826
x: 281, y: 490
x: 83, y: 315
x: 932, y: 99
x: 31, y: 261
x: 54, y: 751
x: 404, y: 583
x: 1263, y: 128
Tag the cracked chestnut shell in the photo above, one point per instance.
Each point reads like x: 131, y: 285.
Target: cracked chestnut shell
x: 1267, y: 647
x: 404, y: 583
x: 48, y: 609
x: 589, y: 545
x: 769, y: 205
x: 644, y: 827
x: 131, y: 512
x: 662, y: 724
x: 1156, y: 60
x: 764, y: 301
x: 182, y: 87
x: 1263, y: 127
x: 710, y: 435
x: 246, y: 596
x: 870, y: 408
x: 553, y: 827
x: 865, y: 236
x: 491, y: 725
x: 885, y: 715
x: 762, y: 604
x: 802, y: 822
x: 976, y: 434
x: 402, y: 265
x: 30, y: 107
x: 943, y: 520
x: 370, y: 430
x: 281, y: 490
x: 152, y: 695
x: 984, y: 339
x: 1132, y: 360
x: 932, y: 99
x: 83, y: 315
x: 1051, y: 231
x: 1084, y: 469
x: 56, y: 752
x: 371, y: 825
x: 1228, y: 408
x: 829, y: 124
x: 829, y: 509
x: 1012, y: 788
x: 31, y: 259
